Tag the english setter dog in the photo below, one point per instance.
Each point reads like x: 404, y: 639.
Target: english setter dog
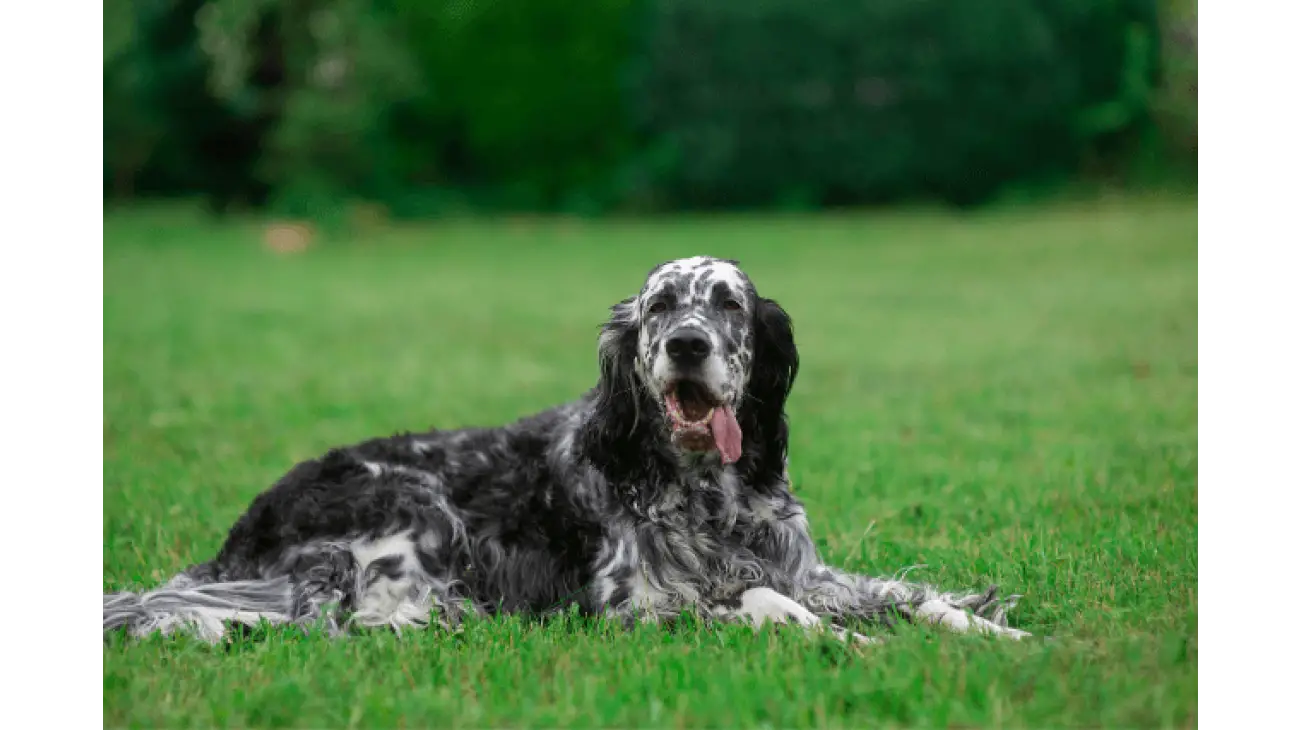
x: 663, y: 489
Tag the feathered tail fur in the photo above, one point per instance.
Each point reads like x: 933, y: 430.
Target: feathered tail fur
x: 203, y: 608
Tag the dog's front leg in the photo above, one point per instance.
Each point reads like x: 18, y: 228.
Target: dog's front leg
x: 758, y: 606
x: 622, y: 589
x: 832, y: 592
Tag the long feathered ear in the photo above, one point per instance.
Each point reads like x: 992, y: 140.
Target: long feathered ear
x: 776, y: 359
x: 776, y: 364
x: 618, y: 392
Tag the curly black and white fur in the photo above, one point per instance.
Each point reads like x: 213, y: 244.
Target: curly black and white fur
x: 616, y: 502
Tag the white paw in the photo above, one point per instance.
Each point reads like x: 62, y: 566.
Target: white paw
x: 760, y: 605
x: 959, y: 621
x: 853, y: 636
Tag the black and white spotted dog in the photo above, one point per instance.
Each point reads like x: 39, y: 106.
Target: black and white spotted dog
x: 663, y: 488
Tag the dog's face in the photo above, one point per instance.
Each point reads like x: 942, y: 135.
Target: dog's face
x: 693, y: 340
x: 695, y: 336
x: 692, y: 335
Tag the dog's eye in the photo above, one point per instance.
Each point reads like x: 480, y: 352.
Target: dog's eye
x: 731, y: 304
x: 658, y: 307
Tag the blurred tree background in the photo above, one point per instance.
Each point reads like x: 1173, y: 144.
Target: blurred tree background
x: 426, y: 107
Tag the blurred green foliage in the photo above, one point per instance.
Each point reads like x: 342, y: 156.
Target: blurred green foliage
x: 428, y: 105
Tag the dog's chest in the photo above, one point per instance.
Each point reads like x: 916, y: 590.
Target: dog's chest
x: 704, y: 506
x: 691, y: 545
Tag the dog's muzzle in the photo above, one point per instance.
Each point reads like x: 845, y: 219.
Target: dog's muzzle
x: 700, y: 421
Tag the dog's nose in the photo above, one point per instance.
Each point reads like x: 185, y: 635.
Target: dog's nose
x: 688, y: 347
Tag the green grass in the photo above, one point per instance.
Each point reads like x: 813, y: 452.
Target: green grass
x: 1008, y: 397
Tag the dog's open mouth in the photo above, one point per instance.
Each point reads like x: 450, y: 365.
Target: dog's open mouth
x: 701, y: 422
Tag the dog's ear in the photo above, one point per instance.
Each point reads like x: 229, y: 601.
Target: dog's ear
x: 776, y: 363
x: 776, y: 359
x: 619, y: 335
x: 618, y: 392
x: 617, y: 352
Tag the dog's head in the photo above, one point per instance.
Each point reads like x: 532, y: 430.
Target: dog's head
x: 711, y: 360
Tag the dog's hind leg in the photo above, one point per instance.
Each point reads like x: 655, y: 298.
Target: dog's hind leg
x: 831, y: 592
x: 404, y: 579
x: 398, y: 580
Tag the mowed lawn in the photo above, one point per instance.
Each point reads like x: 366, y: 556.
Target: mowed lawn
x: 1008, y: 397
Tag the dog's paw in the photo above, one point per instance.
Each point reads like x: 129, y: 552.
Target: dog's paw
x: 854, y: 637
x: 958, y: 620
x: 763, y: 605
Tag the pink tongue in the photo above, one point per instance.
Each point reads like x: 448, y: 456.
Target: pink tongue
x: 726, y: 434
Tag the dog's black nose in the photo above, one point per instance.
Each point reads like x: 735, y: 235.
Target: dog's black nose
x: 688, y: 347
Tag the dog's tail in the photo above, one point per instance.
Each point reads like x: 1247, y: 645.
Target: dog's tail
x: 205, y: 609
